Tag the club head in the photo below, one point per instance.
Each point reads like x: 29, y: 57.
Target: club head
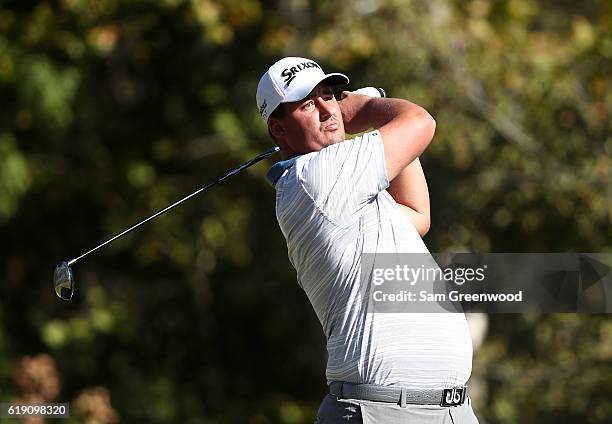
x: 63, y: 281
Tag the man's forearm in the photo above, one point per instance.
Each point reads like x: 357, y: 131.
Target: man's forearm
x: 375, y: 112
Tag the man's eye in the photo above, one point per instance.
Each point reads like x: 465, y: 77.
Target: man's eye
x: 308, y: 105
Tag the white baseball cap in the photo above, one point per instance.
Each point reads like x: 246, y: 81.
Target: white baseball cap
x: 289, y: 80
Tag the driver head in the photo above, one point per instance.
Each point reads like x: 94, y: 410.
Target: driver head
x: 63, y: 281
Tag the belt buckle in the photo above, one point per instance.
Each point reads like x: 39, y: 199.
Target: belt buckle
x: 454, y: 396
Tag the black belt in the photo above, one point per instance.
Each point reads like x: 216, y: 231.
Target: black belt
x: 453, y: 396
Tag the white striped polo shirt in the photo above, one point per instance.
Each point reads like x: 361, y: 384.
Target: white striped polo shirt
x: 332, y: 206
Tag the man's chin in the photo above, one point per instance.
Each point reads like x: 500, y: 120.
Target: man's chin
x: 337, y: 138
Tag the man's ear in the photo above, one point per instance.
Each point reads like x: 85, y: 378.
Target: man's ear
x: 276, y: 127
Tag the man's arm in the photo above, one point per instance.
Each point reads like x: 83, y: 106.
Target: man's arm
x: 409, y: 190
x: 406, y: 130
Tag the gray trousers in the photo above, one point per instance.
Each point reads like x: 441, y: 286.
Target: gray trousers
x: 353, y: 411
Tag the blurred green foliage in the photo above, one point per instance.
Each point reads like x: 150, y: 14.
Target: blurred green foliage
x: 113, y: 109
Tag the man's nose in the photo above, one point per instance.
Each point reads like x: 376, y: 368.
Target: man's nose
x: 325, y: 109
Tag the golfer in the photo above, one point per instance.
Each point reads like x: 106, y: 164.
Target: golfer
x: 337, y: 199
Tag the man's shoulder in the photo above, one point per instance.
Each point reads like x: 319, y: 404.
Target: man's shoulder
x: 350, y: 143
x: 317, y: 171
x: 331, y: 161
x: 332, y: 152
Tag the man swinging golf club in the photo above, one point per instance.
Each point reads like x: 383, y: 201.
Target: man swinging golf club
x: 337, y: 199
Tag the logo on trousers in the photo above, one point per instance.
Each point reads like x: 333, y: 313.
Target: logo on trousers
x: 453, y: 397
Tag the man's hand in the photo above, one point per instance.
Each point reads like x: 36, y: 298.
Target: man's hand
x: 350, y: 105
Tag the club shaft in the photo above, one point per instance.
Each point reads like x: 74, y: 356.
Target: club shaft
x: 178, y: 202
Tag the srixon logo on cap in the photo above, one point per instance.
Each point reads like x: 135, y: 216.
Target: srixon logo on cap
x: 290, y: 73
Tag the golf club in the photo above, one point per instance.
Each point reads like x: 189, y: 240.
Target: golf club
x: 63, y: 278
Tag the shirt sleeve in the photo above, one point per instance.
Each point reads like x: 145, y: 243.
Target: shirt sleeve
x: 344, y: 177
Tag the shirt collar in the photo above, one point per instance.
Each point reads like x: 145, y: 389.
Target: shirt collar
x: 278, y: 169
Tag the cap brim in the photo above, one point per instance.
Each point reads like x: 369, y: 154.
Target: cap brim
x: 334, y: 79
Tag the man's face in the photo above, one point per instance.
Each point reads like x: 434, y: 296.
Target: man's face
x: 314, y: 122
